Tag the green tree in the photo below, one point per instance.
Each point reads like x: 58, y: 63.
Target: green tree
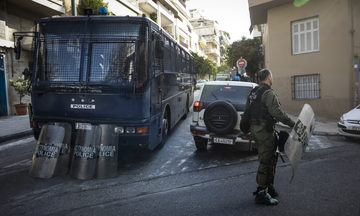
x: 210, y: 67
x: 203, y: 66
x: 21, y: 86
x: 223, y: 68
x: 249, y: 49
x: 92, y: 4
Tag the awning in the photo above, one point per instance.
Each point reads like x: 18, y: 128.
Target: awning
x: 6, y: 43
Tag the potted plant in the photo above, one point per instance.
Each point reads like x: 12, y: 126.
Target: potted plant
x: 22, y: 87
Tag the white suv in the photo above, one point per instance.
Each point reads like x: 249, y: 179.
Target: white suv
x: 217, y: 113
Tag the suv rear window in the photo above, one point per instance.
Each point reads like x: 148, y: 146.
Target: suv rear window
x: 235, y: 94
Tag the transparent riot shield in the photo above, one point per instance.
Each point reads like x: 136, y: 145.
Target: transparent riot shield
x: 63, y: 164
x: 47, y: 151
x: 299, y: 137
x: 107, y: 163
x: 84, y: 159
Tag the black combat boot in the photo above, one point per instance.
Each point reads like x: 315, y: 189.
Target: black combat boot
x: 272, y: 191
x: 263, y: 197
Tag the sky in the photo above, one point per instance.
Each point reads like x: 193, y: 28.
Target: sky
x: 232, y: 15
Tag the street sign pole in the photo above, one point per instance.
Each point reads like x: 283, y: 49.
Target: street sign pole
x: 241, y: 65
x: 73, y: 8
x: 356, y: 69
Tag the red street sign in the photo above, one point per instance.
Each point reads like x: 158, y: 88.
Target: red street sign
x: 241, y: 63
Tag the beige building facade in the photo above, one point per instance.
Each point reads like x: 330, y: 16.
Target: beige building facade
x: 311, y: 51
x: 19, y: 16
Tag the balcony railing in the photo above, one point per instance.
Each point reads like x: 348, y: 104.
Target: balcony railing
x: 212, y: 51
x: 184, y: 44
x: 183, y: 3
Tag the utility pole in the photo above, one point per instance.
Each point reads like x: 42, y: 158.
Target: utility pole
x: 73, y: 8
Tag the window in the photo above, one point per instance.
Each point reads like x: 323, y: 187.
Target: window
x: 236, y: 94
x: 306, y: 86
x: 62, y: 60
x: 305, y: 36
x: 112, y: 62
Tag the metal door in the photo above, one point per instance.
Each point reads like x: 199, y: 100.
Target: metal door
x: 3, y: 98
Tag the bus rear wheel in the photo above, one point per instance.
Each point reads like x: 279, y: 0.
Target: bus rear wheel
x: 164, y: 130
x: 187, y: 108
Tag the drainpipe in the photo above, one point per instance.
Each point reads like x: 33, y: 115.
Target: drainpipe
x: 356, y: 69
x: 73, y: 8
x: 355, y: 59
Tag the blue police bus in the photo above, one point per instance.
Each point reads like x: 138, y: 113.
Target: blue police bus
x: 122, y: 71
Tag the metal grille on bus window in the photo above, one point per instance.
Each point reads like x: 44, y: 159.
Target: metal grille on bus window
x: 62, y: 60
x: 178, y: 60
x: 188, y: 64
x: 306, y: 86
x: 167, y: 59
x: 183, y: 63
x: 114, y: 28
x: 167, y: 55
x: 112, y: 62
x: 173, y: 57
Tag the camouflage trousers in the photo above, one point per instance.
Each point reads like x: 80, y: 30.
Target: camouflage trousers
x: 265, y: 142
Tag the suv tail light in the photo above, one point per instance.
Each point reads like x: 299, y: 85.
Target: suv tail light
x: 197, y: 106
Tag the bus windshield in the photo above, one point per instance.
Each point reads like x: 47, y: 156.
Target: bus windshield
x: 92, y: 53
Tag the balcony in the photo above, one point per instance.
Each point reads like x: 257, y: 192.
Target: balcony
x: 212, y: 51
x: 258, y: 9
x: 181, y: 6
x: 184, y: 44
x: 167, y: 17
x: 183, y: 3
x: 212, y: 39
x: 170, y: 6
x: 41, y: 7
x: 148, y: 6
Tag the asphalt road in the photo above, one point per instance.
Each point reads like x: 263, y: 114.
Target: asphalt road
x: 177, y: 180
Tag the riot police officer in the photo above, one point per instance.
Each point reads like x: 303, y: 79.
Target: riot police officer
x: 264, y: 109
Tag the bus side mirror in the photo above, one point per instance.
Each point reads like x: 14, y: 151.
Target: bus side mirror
x: 17, y: 48
x: 159, y: 49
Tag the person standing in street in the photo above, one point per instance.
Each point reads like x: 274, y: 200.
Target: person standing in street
x: 264, y: 109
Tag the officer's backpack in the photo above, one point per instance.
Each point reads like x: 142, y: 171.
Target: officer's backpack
x: 255, y: 109
x: 245, y: 121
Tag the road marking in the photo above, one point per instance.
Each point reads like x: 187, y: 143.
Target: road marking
x: 26, y: 162
x: 17, y: 143
x: 316, y: 143
x: 182, y: 162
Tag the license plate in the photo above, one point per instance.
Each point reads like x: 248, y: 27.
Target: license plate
x: 356, y: 128
x: 82, y: 126
x: 223, y: 141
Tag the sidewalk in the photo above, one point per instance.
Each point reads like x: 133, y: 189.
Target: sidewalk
x: 15, y: 127
x: 323, y: 126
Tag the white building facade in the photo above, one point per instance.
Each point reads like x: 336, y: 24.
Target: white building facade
x: 209, y: 31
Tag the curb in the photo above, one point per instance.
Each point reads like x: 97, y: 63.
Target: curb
x: 322, y: 133
x: 318, y: 133
x: 16, y: 135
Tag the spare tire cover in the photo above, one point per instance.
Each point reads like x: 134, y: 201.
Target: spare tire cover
x: 220, y: 117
